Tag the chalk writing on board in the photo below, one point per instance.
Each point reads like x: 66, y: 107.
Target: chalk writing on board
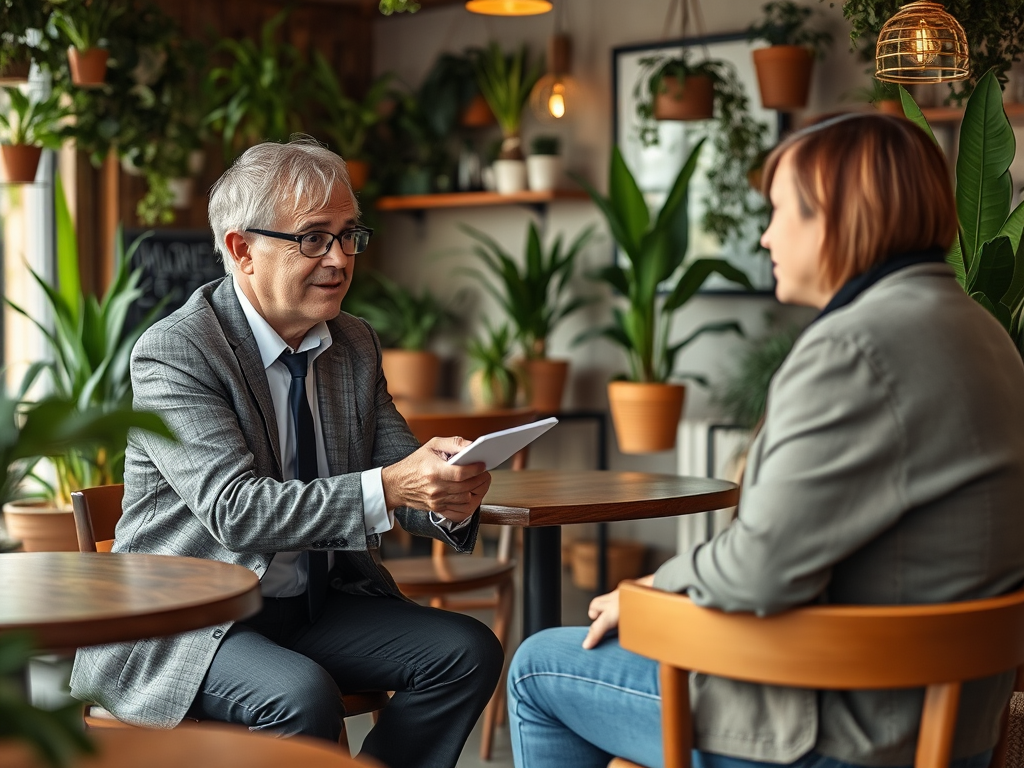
x: 174, y: 263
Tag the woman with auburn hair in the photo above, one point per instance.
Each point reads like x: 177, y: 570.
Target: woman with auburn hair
x: 889, y: 470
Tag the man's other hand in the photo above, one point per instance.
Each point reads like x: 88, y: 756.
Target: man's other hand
x: 425, y: 480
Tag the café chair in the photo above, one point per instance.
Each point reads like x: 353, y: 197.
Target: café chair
x: 440, y: 576
x: 97, y: 511
x: 936, y: 647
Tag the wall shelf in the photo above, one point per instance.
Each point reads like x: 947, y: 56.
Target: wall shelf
x: 415, y: 203
x: 1015, y: 112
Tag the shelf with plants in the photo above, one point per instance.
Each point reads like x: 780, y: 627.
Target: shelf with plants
x: 1015, y: 112
x: 475, y: 199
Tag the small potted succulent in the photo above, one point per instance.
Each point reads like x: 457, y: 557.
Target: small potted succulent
x: 784, y: 67
x: 28, y: 128
x: 544, y: 164
x: 85, y: 24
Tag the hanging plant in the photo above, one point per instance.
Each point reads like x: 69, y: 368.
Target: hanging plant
x: 388, y: 7
x: 737, y: 139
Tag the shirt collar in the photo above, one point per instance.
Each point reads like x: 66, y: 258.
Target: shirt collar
x: 271, y: 345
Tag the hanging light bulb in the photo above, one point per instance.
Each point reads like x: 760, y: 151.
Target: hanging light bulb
x: 555, y: 93
x: 509, y: 7
x: 922, y: 43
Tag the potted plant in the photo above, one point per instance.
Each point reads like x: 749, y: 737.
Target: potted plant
x: 492, y: 380
x: 674, y: 89
x: 406, y: 322
x: 505, y: 81
x: 91, y: 348
x: 257, y: 94
x: 16, y: 19
x: 28, y: 128
x: 737, y: 138
x: 645, y: 405
x: 535, y: 299
x: 85, y: 24
x: 987, y: 255
x: 347, y: 121
x: 784, y: 67
x: 544, y: 166
x: 884, y: 96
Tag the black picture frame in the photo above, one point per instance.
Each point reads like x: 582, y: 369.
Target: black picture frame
x: 655, y: 167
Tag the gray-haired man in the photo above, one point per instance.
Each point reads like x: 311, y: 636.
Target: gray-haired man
x: 291, y: 460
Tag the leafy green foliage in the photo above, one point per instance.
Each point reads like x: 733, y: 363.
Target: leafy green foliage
x: 91, y: 351
x: 744, y: 393
x: 505, y: 80
x: 488, y: 358
x: 259, y: 93
x: 988, y: 254
x: 345, y: 120
x: 86, y: 23
x: 37, y: 123
x: 995, y: 33
x: 785, y: 23
x: 388, y: 7
x: 738, y: 140
x: 535, y: 298
x: 654, y: 251
x: 545, y: 145
x: 402, y: 318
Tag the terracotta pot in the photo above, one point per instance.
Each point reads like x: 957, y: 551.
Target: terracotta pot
x: 890, y: 107
x: 358, y: 173
x: 784, y: 76
x: 625, y: 561
x: 498, y: 395
x: 477, y: 113
x: 15, y: 72
x: 545, y: 382
x: 694, y: 99
x: 411, y: 374
x: 41, y: 527
x: 646, y: 416
x: 21, y: 162
x: 88, y: 68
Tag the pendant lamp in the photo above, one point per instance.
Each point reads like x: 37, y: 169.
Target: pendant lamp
x: 922, y: 43
x: 555, y: 93
x: 509, y: 7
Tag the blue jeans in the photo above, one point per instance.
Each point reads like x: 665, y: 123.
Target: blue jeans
x: 570, y: 707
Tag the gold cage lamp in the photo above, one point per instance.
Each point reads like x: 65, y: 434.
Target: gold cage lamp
x: 921, y: 43
x: 555, y: 94
x: 509, y: 7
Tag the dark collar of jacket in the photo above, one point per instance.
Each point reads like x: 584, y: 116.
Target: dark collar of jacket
x: 856, y: 285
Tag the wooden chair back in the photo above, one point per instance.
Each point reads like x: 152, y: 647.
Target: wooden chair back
x: 97, y: 511
x: 825, y: 647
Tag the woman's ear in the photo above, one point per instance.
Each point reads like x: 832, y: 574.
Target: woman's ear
x: 238, y: 251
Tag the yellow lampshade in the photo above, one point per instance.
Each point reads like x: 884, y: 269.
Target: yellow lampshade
x: 509, y: 7
x: 921, y: 43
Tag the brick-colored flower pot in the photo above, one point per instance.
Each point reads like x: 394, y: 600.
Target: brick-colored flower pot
x: 411, y: 374
x: 784, y: 76
x: 21, y: 162
x: 645, y: 416
x: 88, y: 68
x: 693, y: 99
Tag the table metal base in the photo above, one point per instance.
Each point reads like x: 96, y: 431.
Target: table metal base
x: 542, y: 579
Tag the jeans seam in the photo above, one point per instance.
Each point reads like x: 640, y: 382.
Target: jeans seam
x: 602, y: 683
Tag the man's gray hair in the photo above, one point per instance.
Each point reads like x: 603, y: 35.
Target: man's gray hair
x: 271, y: 183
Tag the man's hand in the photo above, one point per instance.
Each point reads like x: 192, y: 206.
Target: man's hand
x: 604, y: 612
x: 425, y: 480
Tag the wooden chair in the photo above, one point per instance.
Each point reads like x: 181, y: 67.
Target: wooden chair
x: 824, y: 647
x: 97, y: 511
x: 439, y: 576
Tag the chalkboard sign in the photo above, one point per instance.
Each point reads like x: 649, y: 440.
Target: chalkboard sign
x: 174, y: 263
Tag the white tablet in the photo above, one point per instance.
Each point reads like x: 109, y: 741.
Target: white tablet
x: 498, y: 446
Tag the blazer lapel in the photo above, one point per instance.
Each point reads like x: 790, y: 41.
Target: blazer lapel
x: 339, y: 419
x: 239, y: 335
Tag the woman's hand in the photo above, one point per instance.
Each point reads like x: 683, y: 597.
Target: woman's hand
x: 604, y: 613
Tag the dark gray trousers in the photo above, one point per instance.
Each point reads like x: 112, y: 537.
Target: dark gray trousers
x: 279, y: 673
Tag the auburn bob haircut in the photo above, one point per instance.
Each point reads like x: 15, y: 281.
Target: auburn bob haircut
x: 880, y: 182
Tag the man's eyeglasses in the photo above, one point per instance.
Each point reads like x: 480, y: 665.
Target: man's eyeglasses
x: 315, y: 245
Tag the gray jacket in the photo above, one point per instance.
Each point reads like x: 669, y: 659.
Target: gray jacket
x: 890, y: 470
x: 218, y: 492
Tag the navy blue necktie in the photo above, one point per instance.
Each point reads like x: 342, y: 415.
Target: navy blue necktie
x: 305, y: 470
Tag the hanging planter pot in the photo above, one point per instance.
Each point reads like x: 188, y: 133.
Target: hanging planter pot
x: 358, y: 173
x: 691, y: 99
x: 89, y: 67
x: 15, y: 71
x: 477, y: 114
x: 646, y: 416
x: 784, y: 76
x: 21, y: 161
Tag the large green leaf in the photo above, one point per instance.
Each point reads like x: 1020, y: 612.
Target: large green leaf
x: 983, y: 185
x: 627, y: 200
x: 69, y: 280
x: 914, y: 113
x: 695, y: 276
x: 995, y: 270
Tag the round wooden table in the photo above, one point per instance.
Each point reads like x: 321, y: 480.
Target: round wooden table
x: 543, y: 500
x: 73, y: 599
x: 211, y: 745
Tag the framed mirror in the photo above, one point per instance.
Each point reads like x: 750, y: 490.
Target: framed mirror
x: 656, y: 165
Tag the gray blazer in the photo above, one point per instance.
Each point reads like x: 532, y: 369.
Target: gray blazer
x: 218, y: 492
x: 890, y: 470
